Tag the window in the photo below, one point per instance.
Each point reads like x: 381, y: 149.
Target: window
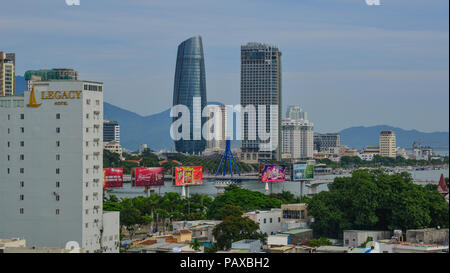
x: 58, y: 130
x: 57, y: 198
x: 58, y: 116
x: 87, y: 116
x: 57, y: 170
x: 87, y: 198
x: 58, y: 184
x: 22, y: 144
x: 9, y: 144
x: 22, y: 116
x: 21, y: 197
x: 9, y: 131
x: 22, y: 170
x: 21, y: 210
x: 8, y: 170
x: 22, y: 184
x: 22, y: 130
x: 22, y: 157
x: 265, y: 220
x: 8, y: 157
x: 58, y: 157
x: 57, y: 211
x: 270, y: 220
x: 87, y: 130
x: 57, y: 143
x: 88, y: 101
x: 279, y: 219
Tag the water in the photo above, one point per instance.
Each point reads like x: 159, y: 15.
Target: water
x: 208, y: 187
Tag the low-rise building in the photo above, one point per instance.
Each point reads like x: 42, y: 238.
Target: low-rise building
x: 113, y: 147
x: 427, y: 236
x: 299, y: 236
x: 249, y: 246
x: 355, y: 238
x: 390, y: 246
x: 269, y: 221
x: 294, y: 216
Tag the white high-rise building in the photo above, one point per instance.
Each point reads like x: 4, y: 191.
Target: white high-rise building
x: 51, y: 174
x: 298, y: 139
x: 218, y: 132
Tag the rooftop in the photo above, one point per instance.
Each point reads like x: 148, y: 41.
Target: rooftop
x: 297, y: 230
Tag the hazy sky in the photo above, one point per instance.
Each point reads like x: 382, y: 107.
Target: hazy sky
x: 344, y: 62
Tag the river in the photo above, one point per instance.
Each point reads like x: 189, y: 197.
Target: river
x: 209, y: 186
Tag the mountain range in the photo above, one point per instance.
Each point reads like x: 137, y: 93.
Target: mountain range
x: 153, y: 130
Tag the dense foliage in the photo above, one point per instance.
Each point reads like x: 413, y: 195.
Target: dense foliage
x: 378, y: 161
x: 246, y: 199
x: 160, y: 210
x: 374, y: 200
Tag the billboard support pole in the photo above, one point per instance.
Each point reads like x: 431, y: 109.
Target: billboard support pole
x: 302, y: 183
x: 183, y: 191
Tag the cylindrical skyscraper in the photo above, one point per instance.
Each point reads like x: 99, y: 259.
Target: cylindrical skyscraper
x: 190, y: 83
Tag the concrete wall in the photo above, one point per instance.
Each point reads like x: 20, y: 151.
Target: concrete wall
x: 354, y: 238
x: 427, y: 236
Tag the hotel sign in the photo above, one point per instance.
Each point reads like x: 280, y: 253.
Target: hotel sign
x: 61, y: 97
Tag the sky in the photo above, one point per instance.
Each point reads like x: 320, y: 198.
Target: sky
x: 344, y: 62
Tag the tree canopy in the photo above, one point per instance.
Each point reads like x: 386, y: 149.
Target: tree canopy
x: 375, y: 200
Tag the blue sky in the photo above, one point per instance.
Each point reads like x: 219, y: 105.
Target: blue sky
x: 344, y: 62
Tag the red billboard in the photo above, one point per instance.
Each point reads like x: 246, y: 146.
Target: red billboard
x: 112, y: 178
x: 145, y: 177
x: 188, y: 175
x: 273, y: 173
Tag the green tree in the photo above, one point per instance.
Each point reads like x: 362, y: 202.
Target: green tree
x: 130, y: 217
x: 195, y: 245
x: 375, y: 200
x: 234, y: 228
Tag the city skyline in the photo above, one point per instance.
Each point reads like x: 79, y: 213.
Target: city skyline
x: 340, y: 58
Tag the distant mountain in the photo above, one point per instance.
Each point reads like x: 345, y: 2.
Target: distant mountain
x: 135, y: 129
x: 21, y: 85
x: 154, y: 129
x: 359, y: 137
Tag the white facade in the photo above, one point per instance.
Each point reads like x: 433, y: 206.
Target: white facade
x: 269, y: 221
x: 218, y: 134
x: 51, y: 165
x: 298, y: 138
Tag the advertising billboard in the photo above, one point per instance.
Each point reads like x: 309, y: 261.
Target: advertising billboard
x: 147, y: 177
x: 188, y: 175
x: 273, y: 173
x: 112, y: 178
x: 302, y: 172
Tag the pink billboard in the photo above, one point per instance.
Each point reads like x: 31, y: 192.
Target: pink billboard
x: 112, y: 177
x: 146, y: 177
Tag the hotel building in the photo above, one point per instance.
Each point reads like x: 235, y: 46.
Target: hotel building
x: 387, y: 145
x: 51, y: 156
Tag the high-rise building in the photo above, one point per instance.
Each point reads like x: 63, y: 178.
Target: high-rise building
x: 325, y: 142
x: 51, y: 167
x: 111, y: 131
x: 388, y: 144
x: 297, y: 140
x: 7, y: 74
x: 261, y: 86
x: 218, y: 132
x: 190, y: 90
x: 296, y: 113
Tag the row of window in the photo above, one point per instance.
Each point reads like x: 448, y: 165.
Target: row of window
x: 22, y: 211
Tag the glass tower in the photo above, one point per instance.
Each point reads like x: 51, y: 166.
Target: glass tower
x: 190, y: 83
